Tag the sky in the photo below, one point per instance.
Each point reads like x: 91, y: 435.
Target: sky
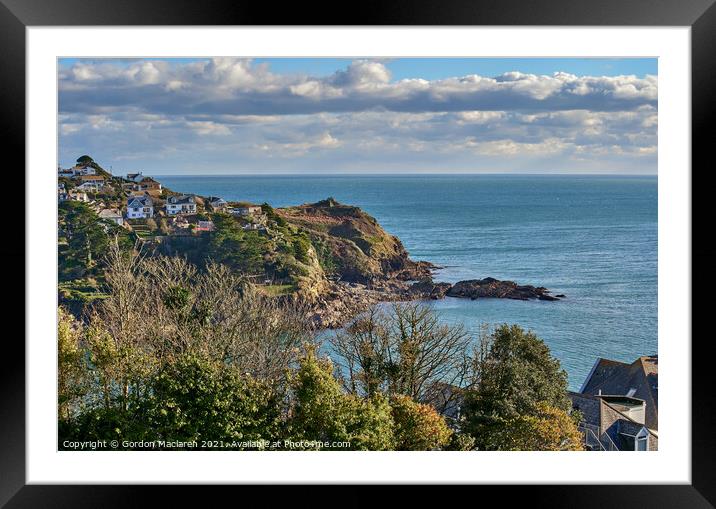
x: 325, y: 115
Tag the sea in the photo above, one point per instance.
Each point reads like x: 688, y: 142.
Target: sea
x: 592, y: 238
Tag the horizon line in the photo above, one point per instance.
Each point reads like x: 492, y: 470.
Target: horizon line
x: 364, y: 174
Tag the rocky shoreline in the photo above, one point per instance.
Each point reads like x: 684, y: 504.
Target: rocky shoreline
x: 344, y: 300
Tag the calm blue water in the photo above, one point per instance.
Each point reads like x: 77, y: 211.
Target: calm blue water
x: 593, y: 238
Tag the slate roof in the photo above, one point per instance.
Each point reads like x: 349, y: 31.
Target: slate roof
x: 109, y: 213
x: 639, y: 379
x: 181, y: 200
x: 144, y: 201
x: 588, y: 405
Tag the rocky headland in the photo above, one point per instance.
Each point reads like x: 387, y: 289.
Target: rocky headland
x: 362, y: 265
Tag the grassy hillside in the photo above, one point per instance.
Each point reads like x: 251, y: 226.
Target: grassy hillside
x: 350, y: 243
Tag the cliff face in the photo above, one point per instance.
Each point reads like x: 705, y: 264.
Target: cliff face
x: 351, y: 245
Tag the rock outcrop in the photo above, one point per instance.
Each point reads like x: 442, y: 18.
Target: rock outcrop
x: 494, y: 288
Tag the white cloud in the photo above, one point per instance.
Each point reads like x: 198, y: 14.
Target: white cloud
x: 243, y: 110
x: 209, y: 128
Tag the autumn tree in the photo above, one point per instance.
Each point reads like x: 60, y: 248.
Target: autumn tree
x: 418, y: 427
x: 546, y: 429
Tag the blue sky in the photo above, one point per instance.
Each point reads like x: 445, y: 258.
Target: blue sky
x: 437, y: 68
x: 230, y: 115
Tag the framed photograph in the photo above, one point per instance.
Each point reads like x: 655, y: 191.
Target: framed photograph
x: 435, y: 246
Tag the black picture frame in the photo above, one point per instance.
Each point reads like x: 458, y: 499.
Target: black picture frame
x: 700, y: 15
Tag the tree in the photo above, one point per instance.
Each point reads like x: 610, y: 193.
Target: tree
x: 84, y: 160
x: 195, y: 398
x: 405, y: 350
x: 322, y: 412
x: 242, y: 250
x: 71, y: 369
x: 88, y: 238
x: 418, y: 427
x: 301, y: 248
x: 549, y: 429
x: 515, y: 380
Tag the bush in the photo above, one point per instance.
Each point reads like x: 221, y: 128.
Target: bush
x: 194, y: 398
x: 418, y: 427
x: 322, y: 412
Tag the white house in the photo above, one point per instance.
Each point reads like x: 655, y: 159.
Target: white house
x: 78, y: 196
x: 83, y: 170
x: 184, y: 204
x: 113, y: 215
x: 247, y: 210
x: 91, y: 186
x: 216, y: 203
x: 139, y: 207
x: 135, y: 177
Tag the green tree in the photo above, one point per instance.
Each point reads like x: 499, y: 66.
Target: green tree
x: 242, y: 250
x: 323, y: 412
x: 87, y: 239
x: 514, y: 380
x: 301, y: 247
x: 71, y: 368
x: 418, y: 427
x: 84, y: 160
x: 194, y: 398
x: 271, y: 214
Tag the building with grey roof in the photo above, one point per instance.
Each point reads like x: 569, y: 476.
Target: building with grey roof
x: 139, y: 207
x: 619, y: 405
x: 182, y: 204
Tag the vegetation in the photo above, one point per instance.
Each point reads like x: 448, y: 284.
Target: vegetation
x: 174, y: 353
x: 84, y: 238
x: 519, y: 398
x: 154, y: 347
x: 242, y: 250
x: 404, y: 351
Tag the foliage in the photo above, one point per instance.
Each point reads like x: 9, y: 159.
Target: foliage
x: 515, y: 379
x: 301, y: 247
x: 71, y: 368
x: 549, y: 429
x: 418, y: 427
x: 323, y: 412
x: 271, y: 214
x: 85, y: 159
x: 87, y: 239
x: 325, y: 257
x: 195, y: 398
x: 240, y: 249
x: 176, y: 351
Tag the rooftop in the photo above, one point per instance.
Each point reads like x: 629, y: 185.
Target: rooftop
x: 636, y: 381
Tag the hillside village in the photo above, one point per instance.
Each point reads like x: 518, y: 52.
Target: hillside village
x: 333, y: 257
x: 141, y: 204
